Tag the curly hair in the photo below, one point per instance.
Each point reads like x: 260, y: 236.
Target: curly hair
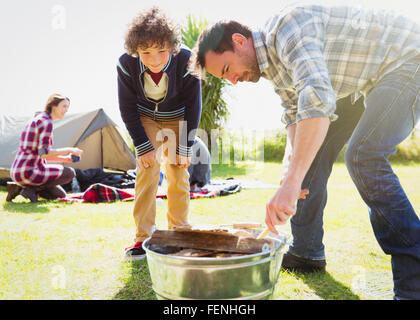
x: 152, y: 28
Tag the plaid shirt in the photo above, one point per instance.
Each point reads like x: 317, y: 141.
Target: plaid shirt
x: 315, y: 55
x: 29, y: 168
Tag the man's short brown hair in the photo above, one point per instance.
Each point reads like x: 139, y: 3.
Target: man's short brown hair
x: 152, y: 28
x: 217, y: 38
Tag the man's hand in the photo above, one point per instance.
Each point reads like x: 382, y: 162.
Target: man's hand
x: 283, y: 204
x: 183, y: 161
x: 147, y: 160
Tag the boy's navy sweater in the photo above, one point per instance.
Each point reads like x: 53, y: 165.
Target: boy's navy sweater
x: 182, y: 100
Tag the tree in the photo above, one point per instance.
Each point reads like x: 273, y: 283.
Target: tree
x: 214, y: 109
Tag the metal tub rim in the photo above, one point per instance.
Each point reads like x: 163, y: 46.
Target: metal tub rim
x: 265, y: 266
x: 272, y: 251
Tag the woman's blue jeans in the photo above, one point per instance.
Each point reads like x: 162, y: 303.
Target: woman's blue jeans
x: 391, y: 113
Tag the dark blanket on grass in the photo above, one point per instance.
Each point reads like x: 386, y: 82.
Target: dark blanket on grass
x: 89, y: 177
x: 103, y: 193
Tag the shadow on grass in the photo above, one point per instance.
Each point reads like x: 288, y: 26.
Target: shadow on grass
x: 326, y: 287
x: 139, y: 285
x: 26, y: 207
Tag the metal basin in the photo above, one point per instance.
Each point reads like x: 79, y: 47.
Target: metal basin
x: 245, y: 277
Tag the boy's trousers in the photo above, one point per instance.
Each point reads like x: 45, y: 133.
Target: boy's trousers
x: 164, y: 137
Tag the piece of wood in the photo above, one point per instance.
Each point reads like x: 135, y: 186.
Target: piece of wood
x: 243, y: 225
x: 216, y: 229
x: 263, y: 234
x: 202, y: 228
x: 193, y: 253
x: 203, y: 240
x: 227, y: 255
x: 242, y: 233
x: 164, y: 249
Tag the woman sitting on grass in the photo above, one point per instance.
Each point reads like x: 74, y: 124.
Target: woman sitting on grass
x: 31, y: 170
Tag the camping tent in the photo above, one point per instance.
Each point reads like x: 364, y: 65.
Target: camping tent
x: 94, y: 132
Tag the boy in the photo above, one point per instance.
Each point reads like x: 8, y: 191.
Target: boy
x: 160, y: 104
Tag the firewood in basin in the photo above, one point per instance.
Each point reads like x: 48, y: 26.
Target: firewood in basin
x: 216, y: 229
x: 211, y: 241
x: 193, y: 253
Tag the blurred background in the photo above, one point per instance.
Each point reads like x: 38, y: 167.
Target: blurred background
x: 72, y: 46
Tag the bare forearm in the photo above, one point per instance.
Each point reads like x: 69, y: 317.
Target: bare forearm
x: 288, y: 151
x: 54, y: 153
x: 308, y: 136
x: 58, y: 159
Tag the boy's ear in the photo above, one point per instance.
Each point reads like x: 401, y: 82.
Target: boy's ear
x: 239, y: 40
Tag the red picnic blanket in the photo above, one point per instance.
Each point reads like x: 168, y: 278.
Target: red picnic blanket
x: 102, y: 193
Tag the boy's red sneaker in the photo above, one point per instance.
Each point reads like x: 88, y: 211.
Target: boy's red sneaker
x: 135, y: 252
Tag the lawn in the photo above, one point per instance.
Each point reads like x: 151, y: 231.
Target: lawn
x: 55, y: 250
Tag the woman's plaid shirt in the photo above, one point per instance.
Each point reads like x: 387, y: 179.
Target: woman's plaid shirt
x: 315, y: 55
x: 28, y: 167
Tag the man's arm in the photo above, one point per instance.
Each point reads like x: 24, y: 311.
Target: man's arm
x: 309, y: 136
x: 300, y: 46
x: 288, y: 151
x: 306, y: 137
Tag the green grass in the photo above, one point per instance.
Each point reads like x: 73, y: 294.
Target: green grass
x: 54, y: 250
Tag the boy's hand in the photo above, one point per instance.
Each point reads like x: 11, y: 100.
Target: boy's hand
x: 183, y: 161
x: 147, y: 160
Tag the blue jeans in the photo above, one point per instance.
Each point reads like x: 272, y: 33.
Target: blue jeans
x: 392, y: 111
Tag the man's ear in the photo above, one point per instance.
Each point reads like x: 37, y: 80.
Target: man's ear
x: 239, y: 40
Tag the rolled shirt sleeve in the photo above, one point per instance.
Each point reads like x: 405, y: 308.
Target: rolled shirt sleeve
x: 45, y: 136
x: 301, y: 51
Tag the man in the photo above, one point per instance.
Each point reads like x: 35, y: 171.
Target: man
x: 314, y: 55
x: 200, y: 167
